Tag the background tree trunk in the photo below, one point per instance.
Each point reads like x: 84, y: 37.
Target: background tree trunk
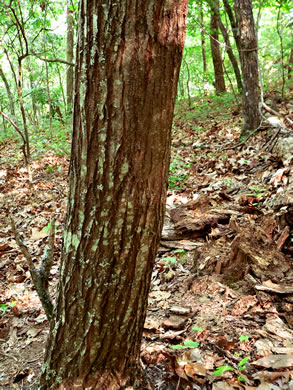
x: 234, y: 24
x: 9, y: 93
x: 69, y: 57
x: 232, y: 58
x: 127, y: 70
x: 219, y: 82
x: 249, y: 66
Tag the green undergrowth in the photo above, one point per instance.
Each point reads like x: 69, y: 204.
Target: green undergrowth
x: 60, y: 145
x: 40, y: 140
x: 205, y: 107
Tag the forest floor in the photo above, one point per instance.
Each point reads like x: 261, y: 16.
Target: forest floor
x: 220, y: 308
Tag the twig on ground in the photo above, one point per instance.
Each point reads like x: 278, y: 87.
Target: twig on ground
x: 244, y: 141
x: 39, y: 275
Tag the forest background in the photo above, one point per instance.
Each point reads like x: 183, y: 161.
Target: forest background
x: 37, y: 59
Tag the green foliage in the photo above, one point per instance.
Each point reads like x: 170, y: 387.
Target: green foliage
x: 177, y: 173
x: 241, y: 366
x: 170, y: 260
x: 187, y: 344
x: 243, y: 338
x: 4, y: 307
x: 258, y: 191
x: 220, y: 370
x: 41, y: 140
x: 197, y: 329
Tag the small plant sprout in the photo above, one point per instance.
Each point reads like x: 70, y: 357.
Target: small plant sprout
x: 181, y: 255
x: 197, y: 329
x: 258, y: 191
x: 241, y: 366
x: 170, y: 260
x: 220, y: 370
x: 4, y: 307
x: 243, y: 338
x: 187, y: 344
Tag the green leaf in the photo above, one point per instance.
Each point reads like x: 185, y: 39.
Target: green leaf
x: 47, y: 228
x: 171, y: 260
x: 178, y: 346
x: 220, y: 370
x: 241, y: 364
x: 243, y: 338
x: 180, y: 251
x: 197, y: 328
x: 241, y: 379
x: 4, y: 307
x: 191, y: 344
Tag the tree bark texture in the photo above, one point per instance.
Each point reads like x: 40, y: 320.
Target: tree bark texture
x: 249, y: 66
x: 127, y: 67
x: 219, y: 82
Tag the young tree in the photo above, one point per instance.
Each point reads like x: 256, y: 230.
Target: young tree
x: 69, y: 54
x: 215, y: 47
x: 247, y: 42
x: 127, y: 66
x: 231, y: 55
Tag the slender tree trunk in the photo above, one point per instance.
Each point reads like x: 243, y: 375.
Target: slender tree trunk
x: 32, y: 87
x: 231, y: 55
x: 290, y: 64
x: 249, y: 66
x: 219, y: 82
x: 9, y: 93
x: 26, y: 149
x: 127, y: 67
x: 69, y: 57
x: 47, y: 72
x: 234, y: 24
x: 280, y: 34
x: 202, y: 34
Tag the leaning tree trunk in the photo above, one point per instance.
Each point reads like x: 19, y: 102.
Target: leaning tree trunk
x: 9, y: 93
x: 127, y: 67
x: 249, y: 66
x: 232, y: 58
x: 219, y: 82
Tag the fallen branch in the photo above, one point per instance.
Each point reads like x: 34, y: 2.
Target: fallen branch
x: 13, y: 124
x: 40, y: 275
x: 259, y: 128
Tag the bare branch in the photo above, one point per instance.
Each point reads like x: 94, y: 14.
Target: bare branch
x: 38, y: 280
x: 53, y: 60
x: 13, y: 124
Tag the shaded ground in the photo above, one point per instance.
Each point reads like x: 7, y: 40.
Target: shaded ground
x: 220, y: 309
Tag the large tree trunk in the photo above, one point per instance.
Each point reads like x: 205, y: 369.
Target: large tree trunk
x: 249, y: 66
x: 219, y: 82
x: 127, y: 67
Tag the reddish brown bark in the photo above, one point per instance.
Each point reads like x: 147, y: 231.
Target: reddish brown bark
x: 128, y: 62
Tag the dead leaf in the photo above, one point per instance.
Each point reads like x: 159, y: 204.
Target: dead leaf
x: 38, y: 234
x: 193, y: 369
x: 274, y: 361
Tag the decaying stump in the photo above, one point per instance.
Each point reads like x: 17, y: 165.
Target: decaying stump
x: 253, y: 252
